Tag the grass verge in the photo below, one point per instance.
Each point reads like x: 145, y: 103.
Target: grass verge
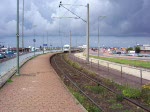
x: 136, y: 63
x: 9, y: 81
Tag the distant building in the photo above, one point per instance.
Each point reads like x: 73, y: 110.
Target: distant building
x: 145, y: 49
x: 131, y: 52
x: 3, y: 50
x: 83, y: 46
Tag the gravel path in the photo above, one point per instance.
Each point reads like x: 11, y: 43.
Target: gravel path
x: 38, y: 89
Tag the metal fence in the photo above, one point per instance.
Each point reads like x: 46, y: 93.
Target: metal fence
x: 122, y: 74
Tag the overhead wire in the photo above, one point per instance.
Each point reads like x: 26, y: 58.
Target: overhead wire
x: 70, y: 8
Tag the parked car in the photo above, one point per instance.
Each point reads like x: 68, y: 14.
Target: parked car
x: 9, y: 54
x: 2, y: 56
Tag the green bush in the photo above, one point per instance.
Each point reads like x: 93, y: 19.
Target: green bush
x: 137, y: 49
x: 119, y: 97
x: 131, y: 92
x: 146, y: 93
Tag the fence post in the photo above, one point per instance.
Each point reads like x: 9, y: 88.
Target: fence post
x: 98, y: 64
x: 0, y: 79
x: 141, y: 76
x: 73, y: 56
x: 121, y: 75
x: 121, y: 71
x: 108, y: 67
x: 91, y: 63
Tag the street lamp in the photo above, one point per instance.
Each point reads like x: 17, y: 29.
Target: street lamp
x: 88, y: 34
x: 17, y: 35
x: 34, y: 40
x: 70, y: 42
x: 86, y: 21
x: 43, y: 44
x: 102, y: 17
x: 23, y: 28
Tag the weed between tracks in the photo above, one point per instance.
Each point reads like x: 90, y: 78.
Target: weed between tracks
x: 107, y: 100
x: 79, y: 67
x: 84, y: 101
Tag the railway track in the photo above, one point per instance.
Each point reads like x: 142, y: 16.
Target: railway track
x: 103, y: 97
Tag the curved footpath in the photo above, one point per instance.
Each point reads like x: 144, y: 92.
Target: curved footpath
x: 37, y: 89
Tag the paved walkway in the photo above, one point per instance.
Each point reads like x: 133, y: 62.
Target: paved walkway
x: 38, y: 89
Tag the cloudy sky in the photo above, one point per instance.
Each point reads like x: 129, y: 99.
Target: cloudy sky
x: 122, y: 17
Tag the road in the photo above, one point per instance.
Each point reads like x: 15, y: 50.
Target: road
x: 121, y: 56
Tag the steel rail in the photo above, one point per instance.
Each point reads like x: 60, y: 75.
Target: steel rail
x: 77, y: 86
x: 84, y: 93
x: 144, y: 108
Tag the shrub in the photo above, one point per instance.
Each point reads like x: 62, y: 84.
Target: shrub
x: 131, y: 92
x: 119, y: 97
x: 145, y: 95
x: 137, y: 49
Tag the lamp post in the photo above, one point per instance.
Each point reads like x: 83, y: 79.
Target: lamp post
x: 102, y: 17
x: 23, y: 28
x: 17, y: 35
x: 43, y: 43
x: 34, y: 40
x: 47, y: 40
x: 70, y: 42
x: 88, y: 34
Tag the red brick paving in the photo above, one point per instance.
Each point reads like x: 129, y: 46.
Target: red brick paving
x: 38, y: 89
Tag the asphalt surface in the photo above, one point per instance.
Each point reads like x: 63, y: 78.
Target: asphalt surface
x: 120, y: 56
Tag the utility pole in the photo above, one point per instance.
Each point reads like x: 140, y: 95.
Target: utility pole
x: 70, y: 42
x: 47, y: 40
x: 34, y: 42
x: 98, y: 38
x: 87, y: 33
x: 23, y: 27
x: 43, y: 43
x: 17, y: 35
x: 102, y: 17
x: 76, y: 43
